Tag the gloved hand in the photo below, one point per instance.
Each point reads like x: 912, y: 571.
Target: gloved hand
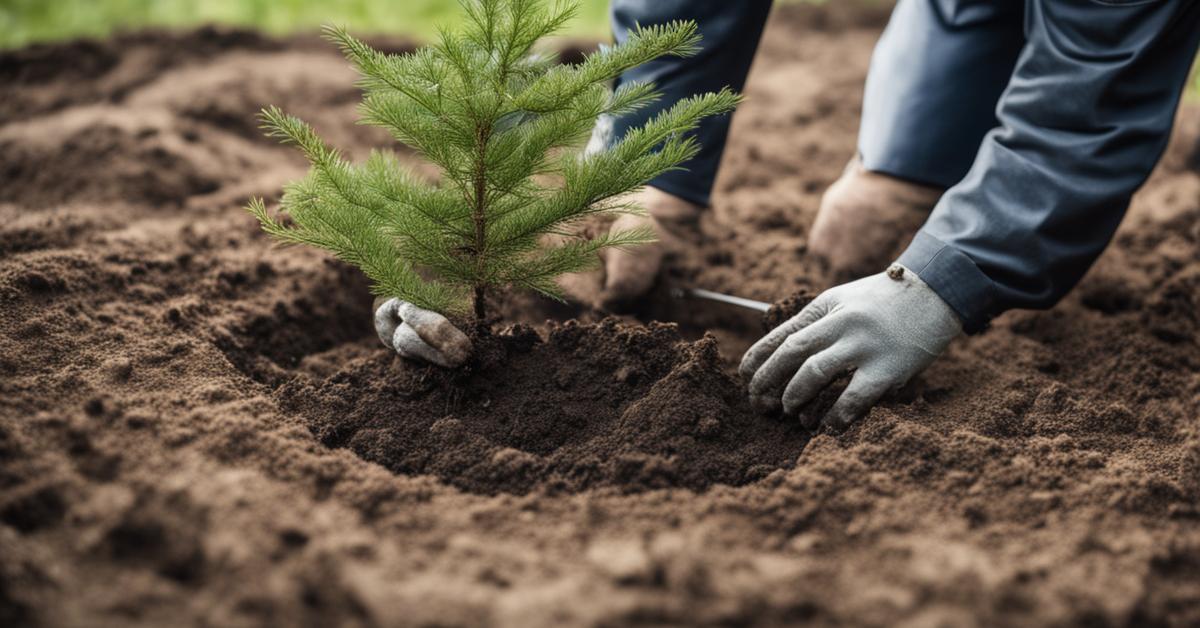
x: 886, y: 328
x: 866, y: 219
x: 628, y: 274
x: 420, y: 334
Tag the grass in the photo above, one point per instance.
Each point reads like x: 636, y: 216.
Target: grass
x: 27, y: 21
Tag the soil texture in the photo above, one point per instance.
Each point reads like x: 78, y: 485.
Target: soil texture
x: 198, y: 428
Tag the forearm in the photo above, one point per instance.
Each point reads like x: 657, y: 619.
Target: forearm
x: 1084, y: 120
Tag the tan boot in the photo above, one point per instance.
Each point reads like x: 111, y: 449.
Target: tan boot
x: 628, y: 274
x: 866, y: 220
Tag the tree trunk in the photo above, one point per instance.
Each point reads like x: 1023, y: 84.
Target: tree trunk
x: 480, y: 306
x: 479, y: 217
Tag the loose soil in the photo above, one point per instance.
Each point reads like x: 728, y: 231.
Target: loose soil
x: 197, y: 428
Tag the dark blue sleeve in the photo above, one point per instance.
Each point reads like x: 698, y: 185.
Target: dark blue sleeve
x: 936, y: 76
x: 730, y: 32
x: 1083, y: 121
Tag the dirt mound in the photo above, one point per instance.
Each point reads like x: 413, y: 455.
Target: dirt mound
x: 197, y: 427
x: 49, y: 77
x: 592, y: 405
x: 139, y: 166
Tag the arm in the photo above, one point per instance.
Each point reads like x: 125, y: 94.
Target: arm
x: 1085, y: 118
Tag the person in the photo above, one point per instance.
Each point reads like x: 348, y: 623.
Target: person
x: 999, y: 147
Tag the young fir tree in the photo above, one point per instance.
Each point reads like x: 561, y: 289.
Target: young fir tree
x: 504, y: 125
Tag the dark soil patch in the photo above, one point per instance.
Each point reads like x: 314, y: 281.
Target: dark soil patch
x: 607, y: 404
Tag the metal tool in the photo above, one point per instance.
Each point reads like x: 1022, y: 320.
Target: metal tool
x: 700, y: 293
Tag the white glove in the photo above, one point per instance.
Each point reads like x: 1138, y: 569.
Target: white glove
x: 421, y: 334
x: 886, y: 328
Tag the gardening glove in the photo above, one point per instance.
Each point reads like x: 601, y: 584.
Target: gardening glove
x: 886, y: 328
x: 629, y: 273
x: 420, y: 334
x: 866, y: 219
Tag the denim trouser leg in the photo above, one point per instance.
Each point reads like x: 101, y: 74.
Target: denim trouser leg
x: 730, y: 32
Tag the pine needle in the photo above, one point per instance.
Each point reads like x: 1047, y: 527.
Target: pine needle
x: 495, y: 117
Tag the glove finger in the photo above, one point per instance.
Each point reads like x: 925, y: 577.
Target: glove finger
x: 386, y: 321
x: 766, y: 346
x: 814, y: 375
x: 438, y: 333
x: 864, y: 390
x: 409, y: 344
x: 770, y: 379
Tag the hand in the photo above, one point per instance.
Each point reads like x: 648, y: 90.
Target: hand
x: 886, y: 328
x: 866, y: 219
x: 628, y: 274
x: 420, y: 334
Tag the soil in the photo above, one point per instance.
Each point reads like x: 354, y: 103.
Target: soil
x: 197, y: 428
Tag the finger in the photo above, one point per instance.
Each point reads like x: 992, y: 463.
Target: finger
x: 437, y: 332
x: 386, y: 320
x: 773, y: 375
x: 409, y: 344
x: 863, y: 392
x: 817, y: 373
x: 766, y: 346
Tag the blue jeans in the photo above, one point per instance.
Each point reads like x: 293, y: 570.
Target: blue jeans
x: 730, y: 32
x: 1042, y: 118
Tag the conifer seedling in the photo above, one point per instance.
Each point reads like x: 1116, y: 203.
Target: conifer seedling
x: 505, y: 126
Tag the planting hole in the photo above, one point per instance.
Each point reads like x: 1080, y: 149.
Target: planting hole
x: 604, y: 404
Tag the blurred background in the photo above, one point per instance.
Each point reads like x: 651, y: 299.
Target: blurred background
x: 27, y: 21
x: 23, y: 22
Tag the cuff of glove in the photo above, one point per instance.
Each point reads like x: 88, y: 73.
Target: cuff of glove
x: 954, y: 277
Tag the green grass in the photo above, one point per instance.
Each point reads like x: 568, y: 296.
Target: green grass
x: 26, y: 21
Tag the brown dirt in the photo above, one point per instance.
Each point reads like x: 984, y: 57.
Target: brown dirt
x: 592, y: 405
x: 198, y: 428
